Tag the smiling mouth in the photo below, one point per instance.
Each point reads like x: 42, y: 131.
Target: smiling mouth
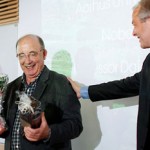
x: 29, y: 66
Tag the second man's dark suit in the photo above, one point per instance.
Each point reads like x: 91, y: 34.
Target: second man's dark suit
x: 139, y: 84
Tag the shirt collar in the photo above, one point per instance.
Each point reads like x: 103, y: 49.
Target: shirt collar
x: 24, y: 78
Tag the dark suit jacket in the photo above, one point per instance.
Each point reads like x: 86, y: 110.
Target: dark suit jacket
x: 139, y: 84
x: 62, y: 111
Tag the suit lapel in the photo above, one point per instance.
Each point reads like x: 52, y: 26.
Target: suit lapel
x: 41, y: 84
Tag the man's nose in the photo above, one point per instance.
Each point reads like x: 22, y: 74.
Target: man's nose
x: 134, y: 32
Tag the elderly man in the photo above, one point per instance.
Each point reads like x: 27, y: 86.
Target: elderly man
x: 61, y: 118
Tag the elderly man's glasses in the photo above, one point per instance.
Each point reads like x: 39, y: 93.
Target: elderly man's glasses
x: 31, y: 55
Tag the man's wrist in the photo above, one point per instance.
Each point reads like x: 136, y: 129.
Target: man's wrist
x: 84, y: 92
x: 48, y: 137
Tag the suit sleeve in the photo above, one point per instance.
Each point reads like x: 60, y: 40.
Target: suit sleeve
x: 70, y: 124
x: 123, y: 88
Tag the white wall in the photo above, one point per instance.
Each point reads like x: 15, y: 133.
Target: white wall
x: 8, y: 60
x: 29, y: 17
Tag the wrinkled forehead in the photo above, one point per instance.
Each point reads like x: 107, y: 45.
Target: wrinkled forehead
x: 28, y: 43
x: 28, y: 40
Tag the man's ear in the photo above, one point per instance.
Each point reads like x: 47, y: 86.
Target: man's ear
x: 44, y: 53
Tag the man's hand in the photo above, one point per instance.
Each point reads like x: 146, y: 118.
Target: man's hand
x: 75, y: 86
x: 40, y: 133
x: 2, y: 129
